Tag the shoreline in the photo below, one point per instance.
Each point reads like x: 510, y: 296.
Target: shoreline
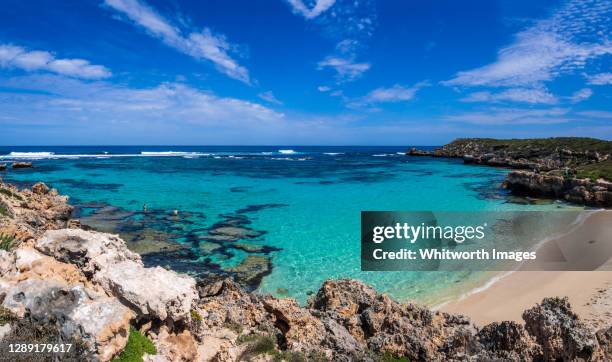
x: 507, y: 294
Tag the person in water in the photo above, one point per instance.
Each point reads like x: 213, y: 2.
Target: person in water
x: 144, y: 208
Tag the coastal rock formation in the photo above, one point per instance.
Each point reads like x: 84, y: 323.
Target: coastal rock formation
x: 2, y: 166
x: 79, y: 313
x: 580, y: 191
x: 508, y: 340
x: 88, y: 287
x: 578, y: 170
x: 31, y: 213
x: 385, y: 325
x: 560, y: 333
x: 22, y: 164
x: 105, y: 259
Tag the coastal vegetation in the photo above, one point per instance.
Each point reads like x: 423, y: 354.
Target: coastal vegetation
x: 595, y: 171
x: 136, y: 347
x: 576, y: 169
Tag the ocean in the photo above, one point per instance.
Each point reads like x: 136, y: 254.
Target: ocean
x: 294, y: 211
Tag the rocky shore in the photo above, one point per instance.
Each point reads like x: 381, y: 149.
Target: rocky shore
x: 62, y: 284
x: 578, y: 170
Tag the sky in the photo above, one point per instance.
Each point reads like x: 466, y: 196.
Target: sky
x: 302, y: 72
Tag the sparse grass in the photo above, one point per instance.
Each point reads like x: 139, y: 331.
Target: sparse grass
x: 7, y: 242
x: 231, y: 325
x: 136, y: 347
x: 24, y: 331
x: 388, y: 357
x: 596, y: 171
x: 10, y: 193
x: 6, y: 316
x: 257, y: 344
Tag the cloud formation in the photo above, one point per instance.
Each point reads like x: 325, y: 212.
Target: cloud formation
x: 581, y: 95
x: 601, y: 79
x: 521, y: 95
x: 513, y: 116
x: 557, y: 45
x: 394, y: 94
x: 344, y: 63
x: 269, y: 97
x: 71, y: 102
x: 203, y: 45
x: 12, y: 56
x: 320, y: 6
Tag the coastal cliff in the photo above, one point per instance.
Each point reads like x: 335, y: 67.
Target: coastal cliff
x: 578, y: 170
x: 62, y: 284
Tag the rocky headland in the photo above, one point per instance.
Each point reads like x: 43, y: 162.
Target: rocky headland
x: 62, y: 284
x: 578, y: 170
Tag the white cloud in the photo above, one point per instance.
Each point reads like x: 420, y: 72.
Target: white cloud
x: 600, y: 79
x: 581, y: 95
x: 343, y: 62
x: 346, y: 69
x: 12, y: 56
x: 557, y: 45
x: 394, y: 94
x: 269, y: 97
x: 202, y: 45
x: 513, y: 116
x: 523, y: 95
x: 68, y: 101
x: 596, y: 114
x: 320, y: 6
x: 323, y: 88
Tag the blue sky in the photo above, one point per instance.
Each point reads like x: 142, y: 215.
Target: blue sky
x: 302, y: 72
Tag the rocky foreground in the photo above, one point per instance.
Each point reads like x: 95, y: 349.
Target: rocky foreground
x: 578, y: 170
x: 62, y: 284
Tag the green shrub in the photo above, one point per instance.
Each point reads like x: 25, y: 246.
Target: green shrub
x: 196, y: 316
x: 7, y: 242
x: 257, y: 344
x: 388, y: 357
x: 596, y: 171
x: 136, y: 347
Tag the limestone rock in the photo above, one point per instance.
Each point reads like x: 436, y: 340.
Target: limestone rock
x: 176, y: 347
x: 152, y: 292
x: 557, y: 329
x: 508, y: 340
x: 105, y: 260
x: 102, y: 323
x: 40, y: 189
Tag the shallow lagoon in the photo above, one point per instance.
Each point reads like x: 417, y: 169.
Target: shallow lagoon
x: 304, y: 206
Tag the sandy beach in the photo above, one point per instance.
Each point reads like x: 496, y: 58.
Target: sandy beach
x: 589, y: 292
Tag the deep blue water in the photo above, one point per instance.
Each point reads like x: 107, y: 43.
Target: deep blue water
x: 300, y: 205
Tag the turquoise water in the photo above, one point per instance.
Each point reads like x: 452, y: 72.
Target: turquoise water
x: 307, y: 203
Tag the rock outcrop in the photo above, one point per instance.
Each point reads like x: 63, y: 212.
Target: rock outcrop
x: 101, y: 322
x: 153, y: 293
x: 560, y: 333
x: 565, y: 168
x: 22, y: 164
x: 579, y: 191
x: 88, y: 287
